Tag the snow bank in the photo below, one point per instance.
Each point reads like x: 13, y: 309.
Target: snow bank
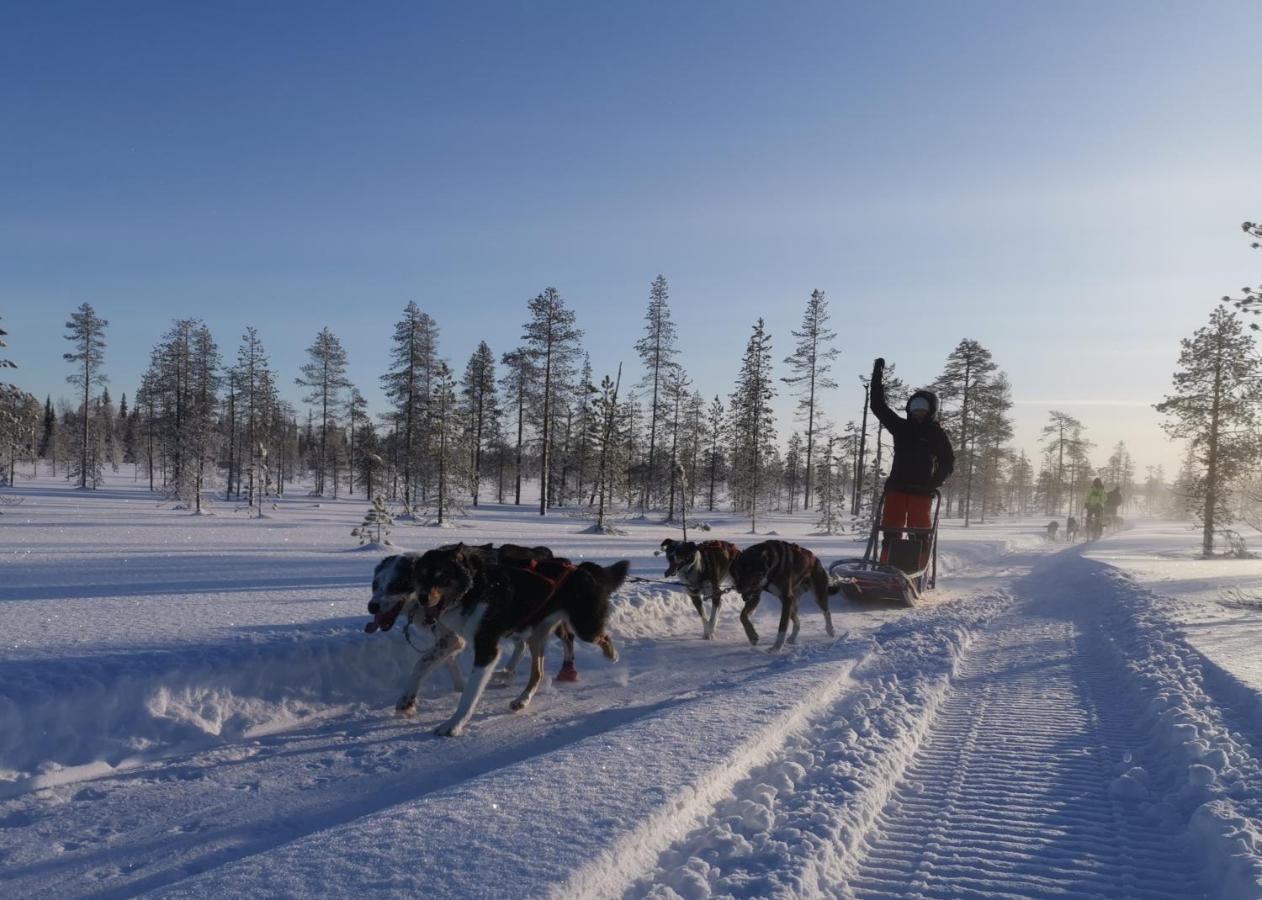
x: 1204, y: 723
x: 116, y: 709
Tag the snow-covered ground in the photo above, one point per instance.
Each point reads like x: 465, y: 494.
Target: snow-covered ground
x: 189, y: 706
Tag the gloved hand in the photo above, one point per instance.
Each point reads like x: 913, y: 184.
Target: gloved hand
x: 878, y: 368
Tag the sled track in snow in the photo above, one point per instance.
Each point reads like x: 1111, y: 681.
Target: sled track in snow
x: 1017, y: 789
x: 1013, y: 767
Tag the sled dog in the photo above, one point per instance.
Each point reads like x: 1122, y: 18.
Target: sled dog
x: 1052, y: 527
x: 788, y: 571
x: 467, y: 599
x: 703, y: 567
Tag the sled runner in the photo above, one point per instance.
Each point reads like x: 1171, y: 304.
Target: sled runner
x: 911, y: 570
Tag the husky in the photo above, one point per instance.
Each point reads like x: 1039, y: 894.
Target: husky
x: 788, y: 571
x: 467, y: 599
x: 1052, y: 527
x: 703, y: 567
x: 1071, y: 530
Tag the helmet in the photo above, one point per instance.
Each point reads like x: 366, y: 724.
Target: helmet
x: 925, y: 401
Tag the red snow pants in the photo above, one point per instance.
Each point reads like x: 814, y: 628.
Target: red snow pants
x: 905, y: 511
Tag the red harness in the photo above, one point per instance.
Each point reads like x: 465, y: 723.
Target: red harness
x: 561, y: 569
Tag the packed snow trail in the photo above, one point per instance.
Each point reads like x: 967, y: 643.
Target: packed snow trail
x: 1028, y: 783
x: 1020, y: 766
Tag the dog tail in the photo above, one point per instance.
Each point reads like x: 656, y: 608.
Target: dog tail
x: 822, y: 587
x: 590, y: 618
x: 612, y: 577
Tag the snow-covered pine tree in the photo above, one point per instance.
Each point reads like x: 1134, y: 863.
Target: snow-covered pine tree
x: 608, y: 445
x: 370, y: 461
x: 450, y: 458
x: 356, y: 412
x: 753, y: 427
x: 519, y: 375
x: 200, y: 422
x: 811, y: 362
x: 1215, y: 407
x: 582, y: 444
x: 715, y: 423
x: 657, y: 354
x: 407, y: 384
x: 676, y: 393
x: 694, y: 428
x: 827, y: 500
x: 48, y: 433
x: 481, y: 408
x: 793, y: 470
x: 551, y: 338
x: 324, y: 374
x: 252, y: 378
x: 375, y: 529
x: 86, y: 332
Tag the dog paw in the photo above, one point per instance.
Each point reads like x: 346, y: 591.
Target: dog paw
x: 406, y: 706
x: 450, y: 728
x: 518, y: 705
x: 832, y: 632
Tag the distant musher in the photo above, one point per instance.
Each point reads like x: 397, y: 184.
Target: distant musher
x: 1095, y: 509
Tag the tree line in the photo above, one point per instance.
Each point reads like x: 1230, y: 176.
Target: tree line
x: 538, y: 414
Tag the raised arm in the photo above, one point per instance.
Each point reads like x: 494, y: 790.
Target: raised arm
x: 887, y: 416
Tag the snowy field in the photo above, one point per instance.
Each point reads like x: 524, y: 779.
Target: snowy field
x: 189, y: 707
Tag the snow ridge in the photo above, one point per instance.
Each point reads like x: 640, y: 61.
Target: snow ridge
x: 789, y: 828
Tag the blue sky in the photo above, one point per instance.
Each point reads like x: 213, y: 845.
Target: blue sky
x: 1062, y: 182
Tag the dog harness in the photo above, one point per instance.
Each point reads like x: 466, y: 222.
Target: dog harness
x: 561, y: 571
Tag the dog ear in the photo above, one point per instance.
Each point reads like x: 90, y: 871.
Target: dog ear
x: 385, y: 562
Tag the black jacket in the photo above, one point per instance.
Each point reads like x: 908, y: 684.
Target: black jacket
x: 923, y: 457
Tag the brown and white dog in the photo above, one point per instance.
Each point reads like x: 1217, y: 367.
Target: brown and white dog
x: 788, y: 571
x: 703, y: 567
x: 467, y: 600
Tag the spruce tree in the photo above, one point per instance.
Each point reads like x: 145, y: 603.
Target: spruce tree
x: 519, y: 375
x: 552, y: 340
x: 811, y: 363
x: 657, y: 353
x: 481, y: 408
x: 1214, y: 408
x: 407, y: 384
x: 969, y: 372
x: 86, y: 331
x: 325, y: 375
x: 753, y: 427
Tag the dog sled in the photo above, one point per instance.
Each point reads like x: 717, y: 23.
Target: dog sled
x: 912, y: 566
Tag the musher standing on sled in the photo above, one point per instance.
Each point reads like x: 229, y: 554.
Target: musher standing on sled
x: 923, y: 458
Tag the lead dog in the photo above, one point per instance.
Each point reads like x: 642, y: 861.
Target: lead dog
x: 469, y: 600
x: 703, y: 567
x: 788, y: 571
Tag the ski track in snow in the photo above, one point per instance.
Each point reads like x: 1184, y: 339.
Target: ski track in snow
x: 1040, y: 728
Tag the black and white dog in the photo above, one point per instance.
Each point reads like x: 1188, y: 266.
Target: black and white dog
x: 393, y: 568
x: 703, y: 568
x: 467, y: 599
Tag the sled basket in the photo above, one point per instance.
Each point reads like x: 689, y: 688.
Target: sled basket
x: 912, y: 568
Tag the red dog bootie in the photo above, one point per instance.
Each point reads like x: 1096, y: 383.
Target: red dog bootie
x: 568, y: 673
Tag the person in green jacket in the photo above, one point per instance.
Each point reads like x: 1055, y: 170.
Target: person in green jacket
x: 1095, y: 508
